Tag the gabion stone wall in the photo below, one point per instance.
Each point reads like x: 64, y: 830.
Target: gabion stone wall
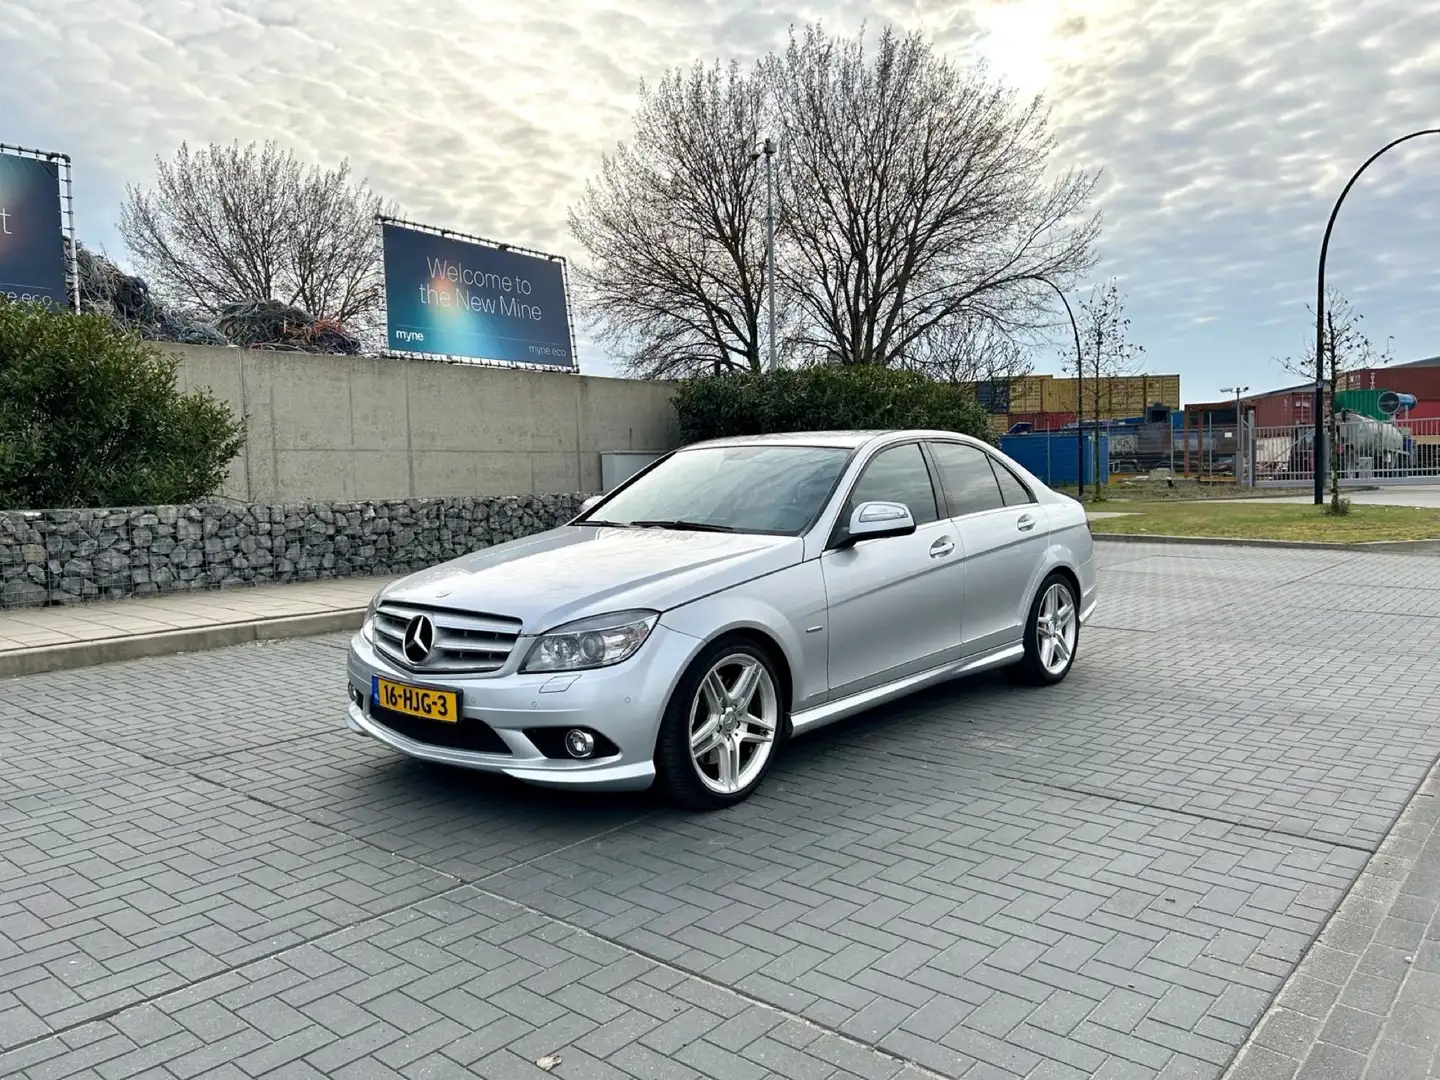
x: 69, y: 556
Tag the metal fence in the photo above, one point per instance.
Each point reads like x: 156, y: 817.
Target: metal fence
x: 1369, y: 450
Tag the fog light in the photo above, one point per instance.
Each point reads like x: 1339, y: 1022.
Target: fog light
x: 579, y: 744
x: 354, y: 694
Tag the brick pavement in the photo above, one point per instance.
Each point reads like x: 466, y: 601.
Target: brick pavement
x: 203, y: 874
x: 1365, y: 1002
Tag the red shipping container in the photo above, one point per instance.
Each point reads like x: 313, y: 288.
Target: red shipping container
x: 1032, y: 418
x: 1422, y: 381
x: 1285, y: 408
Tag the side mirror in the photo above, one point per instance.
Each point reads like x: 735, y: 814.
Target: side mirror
x: 876, y: 520
x: 590, y: 503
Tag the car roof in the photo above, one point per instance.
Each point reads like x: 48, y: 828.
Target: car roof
x: 848, y: 440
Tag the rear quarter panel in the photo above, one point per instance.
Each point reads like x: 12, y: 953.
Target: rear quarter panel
x: 1071, y: 544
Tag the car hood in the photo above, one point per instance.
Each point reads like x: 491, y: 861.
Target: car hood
x: 580, y: 570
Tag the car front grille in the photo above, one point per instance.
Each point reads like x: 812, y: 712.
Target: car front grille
x: 467, y: 734
x: 465, y: 643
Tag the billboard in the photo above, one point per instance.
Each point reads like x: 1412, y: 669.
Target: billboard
x: 32, y: 234
x: 449, y: 296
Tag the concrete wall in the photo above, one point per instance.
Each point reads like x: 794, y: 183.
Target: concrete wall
x: 348, y: 428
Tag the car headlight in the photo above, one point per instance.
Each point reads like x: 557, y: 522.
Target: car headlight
x: 591, y: 643
x: 367, y: 628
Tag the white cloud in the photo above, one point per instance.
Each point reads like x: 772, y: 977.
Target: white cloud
x: 1224, y: 129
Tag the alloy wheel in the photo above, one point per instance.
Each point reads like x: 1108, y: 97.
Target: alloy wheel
x: 1056, y: 628
x: 733, y: 722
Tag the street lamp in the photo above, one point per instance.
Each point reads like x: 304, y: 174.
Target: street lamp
x: 1079, y: 382
x: 1239, y: 425
x: 768, y: 150
x: 1320, y: 448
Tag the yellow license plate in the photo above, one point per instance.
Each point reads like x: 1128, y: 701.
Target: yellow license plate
x: 418, y: 701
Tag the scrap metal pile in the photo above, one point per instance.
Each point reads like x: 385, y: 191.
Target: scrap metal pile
x: 271, y: 324
x: 126, y: 300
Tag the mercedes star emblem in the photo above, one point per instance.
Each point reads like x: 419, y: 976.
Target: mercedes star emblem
x: 419, y: 639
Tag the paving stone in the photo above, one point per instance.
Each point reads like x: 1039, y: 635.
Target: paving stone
x: 1110, y: 878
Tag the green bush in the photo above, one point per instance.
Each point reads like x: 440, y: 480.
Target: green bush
x: 823, y: 399
x: 90, y: 416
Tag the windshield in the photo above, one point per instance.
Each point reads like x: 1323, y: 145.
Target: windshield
x: 755, y: 489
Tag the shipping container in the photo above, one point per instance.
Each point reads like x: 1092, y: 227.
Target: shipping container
x: 1032, y: 418
x: 1364, y: 402
x: 1285, y: 408
x: 1058, y: 395
x: 1422, y: 381
x: 993, y: 395
x: 999, y: 423
x: 1055, y: 457
x: 1115, y: 399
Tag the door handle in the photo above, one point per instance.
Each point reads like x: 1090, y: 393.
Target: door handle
x: 1025, y: 523
x: 942, y: 547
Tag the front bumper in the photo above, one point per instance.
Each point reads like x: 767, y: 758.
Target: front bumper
x: 624, y: 703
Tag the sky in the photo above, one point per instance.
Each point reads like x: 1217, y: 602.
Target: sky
x: 1223, y: 131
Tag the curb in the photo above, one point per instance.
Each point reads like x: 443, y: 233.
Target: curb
x: 1398, y: 547
x: 191, y: 639
x: 1325, y: 968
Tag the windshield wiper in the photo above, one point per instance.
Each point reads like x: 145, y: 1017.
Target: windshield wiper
x: 607, y: 524
x: 697, y: 526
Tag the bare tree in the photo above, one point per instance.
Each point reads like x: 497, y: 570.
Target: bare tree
x: 674, y: 228
x: 914, y: 193
x: 1347, y: 351
x: 226, y: 224
x: 968, y: 349
x: 1108, y: 354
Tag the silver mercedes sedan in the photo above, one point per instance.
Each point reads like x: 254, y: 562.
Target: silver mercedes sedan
x: 733, y: 594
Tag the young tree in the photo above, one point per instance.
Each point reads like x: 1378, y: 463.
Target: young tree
x: 674, y: 228
x: 1107, y: 352
x: 914, y: 193
x: 1347, y: 350
x: 225, y: 225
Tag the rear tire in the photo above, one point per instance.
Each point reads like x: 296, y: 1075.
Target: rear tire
x: 722, y: 727
x: 1052, y: 633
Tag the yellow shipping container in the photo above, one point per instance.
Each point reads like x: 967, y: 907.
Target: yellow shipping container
x: 1123, y: 396
x: 1058, y: 396
x: 999, y: 423
x: 1026, y: 393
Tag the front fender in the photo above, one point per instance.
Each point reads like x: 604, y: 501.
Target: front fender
x: 788, y: 608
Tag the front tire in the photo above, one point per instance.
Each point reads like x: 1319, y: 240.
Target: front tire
x: 1052, y: 633
x: 721, y: 728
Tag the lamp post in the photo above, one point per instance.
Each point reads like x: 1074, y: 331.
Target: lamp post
x: 1320, y: 453
x: 770, y: 239
x: 767, y: 148
x: 1239, y: 424
x: 1079, y: 382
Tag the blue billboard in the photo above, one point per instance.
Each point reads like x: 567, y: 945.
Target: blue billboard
x: 452, y: 297
x: 32, y: 235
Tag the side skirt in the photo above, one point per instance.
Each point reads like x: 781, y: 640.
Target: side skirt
x: 831, y: 711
